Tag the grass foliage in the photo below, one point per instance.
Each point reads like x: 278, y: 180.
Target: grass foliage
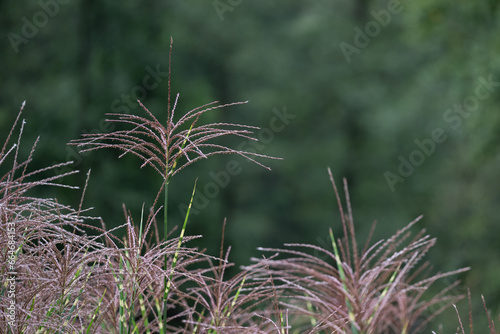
x: 73, y: 277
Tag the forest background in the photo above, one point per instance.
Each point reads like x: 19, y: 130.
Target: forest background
x: 400, y: 97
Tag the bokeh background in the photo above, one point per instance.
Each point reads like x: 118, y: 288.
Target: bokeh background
x: 400, y: 97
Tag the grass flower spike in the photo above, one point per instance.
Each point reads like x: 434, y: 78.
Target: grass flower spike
x: 161, y: 146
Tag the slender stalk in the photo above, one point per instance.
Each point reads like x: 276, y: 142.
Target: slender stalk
x: 165, y: 213
x: 179, y: 244
x: 96, y: 312
x: 168, y: 283
x: 165, y: 236
x: 165, y: 204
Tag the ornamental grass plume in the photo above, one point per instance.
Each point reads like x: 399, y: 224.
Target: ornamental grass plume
x: 378, y: 290
x: 163, y: 145
x: 132, y: 288
x: 45, y: 257
x: 239, y: 304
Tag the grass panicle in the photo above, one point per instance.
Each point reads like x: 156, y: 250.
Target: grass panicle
x: 378, y: 290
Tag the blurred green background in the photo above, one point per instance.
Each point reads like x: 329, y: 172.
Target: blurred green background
x: 400, y: 97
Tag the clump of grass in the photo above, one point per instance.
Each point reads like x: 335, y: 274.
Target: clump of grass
x: 71, y: 282
x: 41, y: 252
x: 377, y: 290
x: 73, y: 277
